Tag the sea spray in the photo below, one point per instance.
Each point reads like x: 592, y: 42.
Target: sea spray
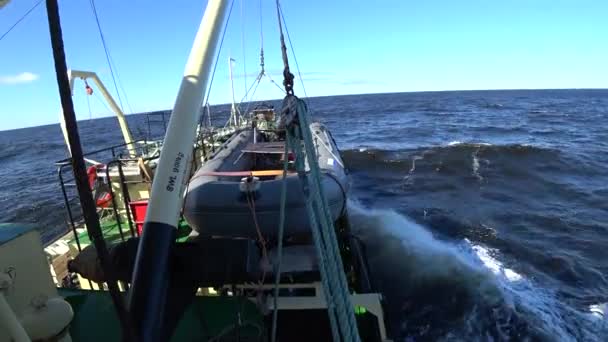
x: 445, y: 290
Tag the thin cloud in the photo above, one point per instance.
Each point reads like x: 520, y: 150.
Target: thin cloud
x: 358, y: 81
x: 279, y: 73
x: 24, y: 77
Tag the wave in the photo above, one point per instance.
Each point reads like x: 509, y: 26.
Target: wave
x: 462, y: 159
x: 459, y: 290
x: 10, y: 150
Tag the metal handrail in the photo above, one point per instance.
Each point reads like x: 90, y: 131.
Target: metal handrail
x: 112, y: 149
x: 64, y: 183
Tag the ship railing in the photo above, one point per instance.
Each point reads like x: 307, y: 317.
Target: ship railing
x: 116, y: 158
x: 156, y: 123
x: 126, y: 185
x: 108, y: 156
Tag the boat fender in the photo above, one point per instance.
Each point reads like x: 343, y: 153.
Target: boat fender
x: 250, y: 184
x: 47, y: 318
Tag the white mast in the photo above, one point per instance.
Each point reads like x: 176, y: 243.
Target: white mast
x: 167, y: 188
x: 150, y: 280
x: 233, y: 113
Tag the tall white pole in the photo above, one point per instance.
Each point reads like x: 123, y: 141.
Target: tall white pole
x: 233, y: 113
x: 167, y: 188
x: 149, y: 290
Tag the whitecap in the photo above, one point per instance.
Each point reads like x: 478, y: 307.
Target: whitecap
x: 411, y: 255
x: 599, y: 310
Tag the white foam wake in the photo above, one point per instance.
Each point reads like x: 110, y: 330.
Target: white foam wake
x: 412, y: 255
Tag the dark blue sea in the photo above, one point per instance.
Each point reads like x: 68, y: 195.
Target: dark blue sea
x: 485, y: 213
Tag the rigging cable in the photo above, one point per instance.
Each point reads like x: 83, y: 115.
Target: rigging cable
x: 102, y: 102
x: 20, y: 19
x: 275, y: 83
x: 262, y: 72
x: 293, y: 52
x: 339, y: 305
x: 121, y: 86
x: 219, y: 51
x: 256, y: 84
x: 243, y: 46
x: 277, y: 272
x: 105, y: 49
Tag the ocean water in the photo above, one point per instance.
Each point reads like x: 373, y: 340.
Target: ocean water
x: 485, y: 213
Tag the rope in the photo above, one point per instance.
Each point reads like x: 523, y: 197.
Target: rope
x: 331, y: 305
x: 121, y: 86
x: 20, y: 19
x: 251, y: 205
x: 243, y: 47
x: 277, y: 277
x: 262, y: 72
x: 206, y: 99
x: 293, y: 52
x: 275, y: 83
x: 102, y: 102
x: 334, y: 281
x: 218, y: 54
x: 256, y: 84
x: 106, y: 50
x: 261, y: 27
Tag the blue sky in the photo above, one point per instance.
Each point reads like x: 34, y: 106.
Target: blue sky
x: 343, y: 47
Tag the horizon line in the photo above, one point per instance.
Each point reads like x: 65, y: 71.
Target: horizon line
x: 339, y: 95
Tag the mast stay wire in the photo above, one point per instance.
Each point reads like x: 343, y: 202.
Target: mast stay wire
x: 103, y: 102
x: 20, y: 19
x: 219, y: 51
x: 121, y: 86
x: 262, y: 72
x: 106, y: 51
x: 293, y: 52
x: 243, y: 46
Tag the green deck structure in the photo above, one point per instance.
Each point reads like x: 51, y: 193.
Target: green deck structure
x: 208, y: 318
x: 111, y: 233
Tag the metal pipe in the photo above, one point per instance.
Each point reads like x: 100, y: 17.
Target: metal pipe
x: 114, y: 209
x: 126, y: 198
x: 233, y: 114
x: 80, y: 174
x: 147, y: 300
x: 68, y: 207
